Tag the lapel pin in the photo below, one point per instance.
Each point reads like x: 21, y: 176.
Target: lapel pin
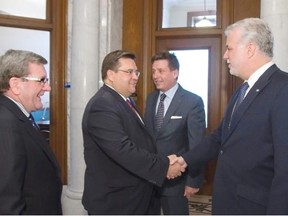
x: 257, y: 90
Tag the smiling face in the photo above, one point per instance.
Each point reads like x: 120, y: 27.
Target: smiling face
x: 124, y: 83
x: 29, y: 92
x: 164, y: 78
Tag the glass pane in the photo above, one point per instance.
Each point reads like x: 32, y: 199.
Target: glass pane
x: 189, y: 13
x: 35, y: 41
x: 24, y: 8
x: 193, y: 72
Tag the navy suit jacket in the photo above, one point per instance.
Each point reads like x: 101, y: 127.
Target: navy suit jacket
x: 30, y: 177
x: 121, y: 161
x: 252, y: 173
x: 183, y: 128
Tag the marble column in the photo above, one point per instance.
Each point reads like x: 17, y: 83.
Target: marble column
x: 92, y: 25
x: 275, y: 12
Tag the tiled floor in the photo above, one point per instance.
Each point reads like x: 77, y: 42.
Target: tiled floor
x: 200, y: 205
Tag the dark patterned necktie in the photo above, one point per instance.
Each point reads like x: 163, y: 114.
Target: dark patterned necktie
x: 35, y: 125
x: 160, y: 112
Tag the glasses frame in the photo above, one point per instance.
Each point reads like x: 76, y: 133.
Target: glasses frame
x: 130, y: 71
x: 43, y: 80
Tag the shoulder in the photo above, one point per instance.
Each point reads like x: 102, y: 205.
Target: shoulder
x: 152, y: 96
x: 188, y: 96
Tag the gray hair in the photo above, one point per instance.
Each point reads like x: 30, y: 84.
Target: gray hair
x: 14, y: 63
x: 255, y: 30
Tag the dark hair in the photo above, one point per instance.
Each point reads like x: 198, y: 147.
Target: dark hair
x: 111, y: 61
x: 15, y: 63
x: 173, y: 62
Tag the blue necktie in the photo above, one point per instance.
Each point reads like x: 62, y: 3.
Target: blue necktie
x: 35, y: 125
x: 160, y: 113
x: 241, y: 95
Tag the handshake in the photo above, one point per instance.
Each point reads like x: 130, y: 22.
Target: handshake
x: 177, y: 166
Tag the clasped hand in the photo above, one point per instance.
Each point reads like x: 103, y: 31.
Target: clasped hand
x: 176, y: 167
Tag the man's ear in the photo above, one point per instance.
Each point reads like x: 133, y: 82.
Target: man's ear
x: 251, y: 49
x: 14, y: 84
x: 175, y: 73
x: 110, y: 75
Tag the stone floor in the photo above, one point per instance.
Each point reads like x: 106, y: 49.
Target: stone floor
x: 200, y: 205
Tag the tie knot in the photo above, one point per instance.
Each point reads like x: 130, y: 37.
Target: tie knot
x: 31, y: 118
x: 244, y: 86
x: 162, y: 97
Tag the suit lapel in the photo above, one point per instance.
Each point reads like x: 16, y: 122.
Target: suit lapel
x: 250, y: 97
x: 176, y: 101
x: 125, y: 104
x: 152, y: 110
x: 33, y: 133
x: 41, y: 142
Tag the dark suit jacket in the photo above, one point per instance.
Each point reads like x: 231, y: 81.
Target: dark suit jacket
x: 119, y: 152
x: 252, y: 173
x: 183, y: 128
x: 30, y: 179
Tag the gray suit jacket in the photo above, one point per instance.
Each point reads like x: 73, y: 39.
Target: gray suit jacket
x: 183, y: 128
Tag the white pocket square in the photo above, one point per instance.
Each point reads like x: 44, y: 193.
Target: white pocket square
x: 176, y: 117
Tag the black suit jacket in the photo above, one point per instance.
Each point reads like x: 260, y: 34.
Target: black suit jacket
x: 120, y: 155
x: 183, y: 128
x: 252, y: 173
x: 30, y: 179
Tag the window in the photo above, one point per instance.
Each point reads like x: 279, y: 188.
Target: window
x: 24, y: 8
x: 189, y: 13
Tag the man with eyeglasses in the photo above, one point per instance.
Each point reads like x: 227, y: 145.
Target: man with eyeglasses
x: 122, y: 166
x: 30, y: 178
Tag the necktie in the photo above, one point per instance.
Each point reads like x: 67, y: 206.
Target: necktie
x: 160, y: 112
x: 133, y: 108
x: 131, y: 105
x: 241, y: 94
x: 35, y: 125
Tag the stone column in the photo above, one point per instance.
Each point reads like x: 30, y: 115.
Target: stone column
x: 92, y: 25
x: 275, y: 12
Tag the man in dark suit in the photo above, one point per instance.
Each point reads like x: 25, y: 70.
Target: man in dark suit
x: 182, y: 129
x: 122, y: 166
x: 251, y: 143
x: 30, y: 179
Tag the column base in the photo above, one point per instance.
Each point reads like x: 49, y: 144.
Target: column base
x: 71, y: 202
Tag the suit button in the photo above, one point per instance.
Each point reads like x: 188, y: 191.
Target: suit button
x: 221, y: 152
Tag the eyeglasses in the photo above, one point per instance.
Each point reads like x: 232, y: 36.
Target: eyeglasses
x: 43, y: 80
x: 130, y: 71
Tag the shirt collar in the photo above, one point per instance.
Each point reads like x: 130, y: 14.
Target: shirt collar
x: 20, y: 106
x: 258, y: 73
x: 171, y: 92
